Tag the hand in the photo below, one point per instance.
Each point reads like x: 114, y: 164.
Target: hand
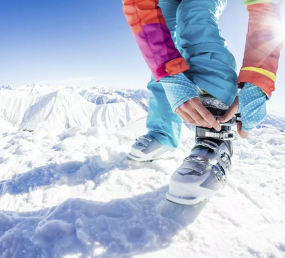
x: 229, y: 114
x: 251, y: 103
x: 193, y: 112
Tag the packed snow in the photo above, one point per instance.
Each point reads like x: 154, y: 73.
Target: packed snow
x: 67, y: 188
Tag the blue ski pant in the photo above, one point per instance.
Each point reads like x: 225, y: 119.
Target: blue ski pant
x: 194, y: 29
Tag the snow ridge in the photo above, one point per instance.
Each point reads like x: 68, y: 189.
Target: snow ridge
x: 62, y: 109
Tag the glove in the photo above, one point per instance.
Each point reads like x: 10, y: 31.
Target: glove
x: 178, y: 89
x: 251, y: 103
x: 252, y: 106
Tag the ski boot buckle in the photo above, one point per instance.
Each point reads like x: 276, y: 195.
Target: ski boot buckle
x: 220, y: 174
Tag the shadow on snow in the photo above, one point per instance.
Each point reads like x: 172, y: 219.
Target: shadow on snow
x: 119, y: 228
x: 70, y: 173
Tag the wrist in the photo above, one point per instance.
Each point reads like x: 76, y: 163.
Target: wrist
x: 252, y: 106
x: 250, y: 94
x: 181, y: 101
x: 178, y: 89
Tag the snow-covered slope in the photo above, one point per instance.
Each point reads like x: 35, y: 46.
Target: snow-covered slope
x: 68, y: 190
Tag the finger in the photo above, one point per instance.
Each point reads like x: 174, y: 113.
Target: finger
x: 180, y: 113
x: 189, y: 108
x: 230, y: 113
x: 242, y: 134
x: 199, y: 120
x: 181, y: 116
x: 185, y: 116
x: 207, y: 116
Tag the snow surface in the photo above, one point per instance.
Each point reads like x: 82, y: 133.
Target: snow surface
x: 67, y: 189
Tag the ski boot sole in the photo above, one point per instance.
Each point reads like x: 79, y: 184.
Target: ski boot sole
x: 166, y: 155
x: 191, y: 202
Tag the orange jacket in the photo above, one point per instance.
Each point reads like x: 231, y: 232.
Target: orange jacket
x: 264, y: 42
x: 153, y: 37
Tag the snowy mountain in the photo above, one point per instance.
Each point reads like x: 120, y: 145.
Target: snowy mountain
x: 106, y: 96
x: 68, y: 190
x: 30, y: 109
x: 274, y: 121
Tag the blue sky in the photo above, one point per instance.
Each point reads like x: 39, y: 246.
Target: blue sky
x: 88, y: 42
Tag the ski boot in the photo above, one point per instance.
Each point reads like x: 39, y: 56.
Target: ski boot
x: 147, y: 148
x: 205, y: 171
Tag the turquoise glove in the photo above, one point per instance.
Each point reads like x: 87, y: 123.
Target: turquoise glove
x: 252, y: 106
x: 178, y: 89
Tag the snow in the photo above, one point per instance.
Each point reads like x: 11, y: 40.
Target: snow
x: 62, y: 109
x: 68, y: 189
x: 106, y: 96
x: 274, y: 120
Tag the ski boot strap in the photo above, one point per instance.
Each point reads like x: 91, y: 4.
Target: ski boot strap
x: 222, y: 135
x: 225, y: 134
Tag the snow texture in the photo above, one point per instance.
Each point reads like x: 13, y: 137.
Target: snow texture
x: 68, y: 189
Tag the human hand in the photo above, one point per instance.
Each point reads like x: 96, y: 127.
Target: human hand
x: 229, y: 114
x: 193, y: 112
x: 251, y: 103
x: 183, y: 96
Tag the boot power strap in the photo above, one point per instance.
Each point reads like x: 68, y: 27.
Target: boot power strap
x: 222, y: 135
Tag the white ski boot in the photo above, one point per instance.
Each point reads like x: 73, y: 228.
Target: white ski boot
x: 147, y: 148
x: 205, y: 171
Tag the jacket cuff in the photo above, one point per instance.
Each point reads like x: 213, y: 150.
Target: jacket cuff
x: 173, y: 67
x: 261, y: 80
